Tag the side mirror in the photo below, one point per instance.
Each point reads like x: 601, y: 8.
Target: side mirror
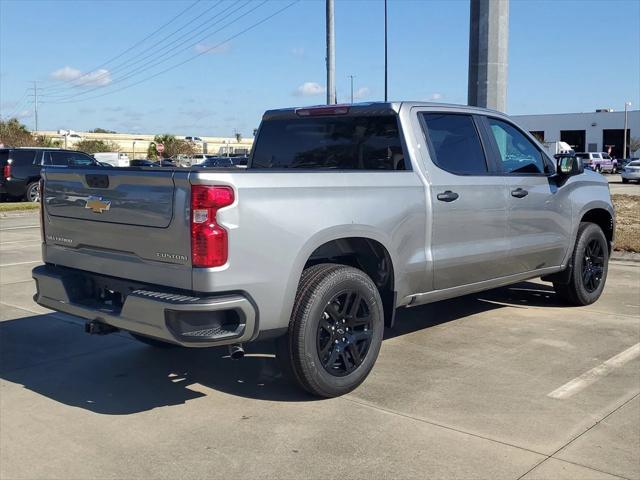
x: 568, y: 165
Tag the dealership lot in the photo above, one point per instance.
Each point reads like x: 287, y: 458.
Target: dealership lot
x: 502, y: 384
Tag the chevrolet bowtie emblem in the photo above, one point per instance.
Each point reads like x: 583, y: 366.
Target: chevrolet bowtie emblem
x: 97, y: 205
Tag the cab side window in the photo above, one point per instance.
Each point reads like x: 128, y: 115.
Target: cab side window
x: 57, y: 158
x: 454, y: 143
x: 518, y: 155
x: 79, y: 160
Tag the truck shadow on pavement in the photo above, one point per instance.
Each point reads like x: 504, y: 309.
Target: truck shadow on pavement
x: 116, y: 375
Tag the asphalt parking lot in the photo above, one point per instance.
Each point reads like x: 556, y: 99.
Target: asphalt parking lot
x: 504, y: 384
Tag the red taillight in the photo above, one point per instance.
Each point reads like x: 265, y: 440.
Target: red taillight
x: 209, y: 243
x: 6, y: 170
x: 321, y: 111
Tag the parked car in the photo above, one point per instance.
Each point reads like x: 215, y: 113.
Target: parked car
x: 115, y: 159
x: 344, y: 214
x: 165, y: 162
x: 21, y: 169
x: 193, y: 139
x: 624, y: 161
x: 141, y: 163
x: 599, y: 162
x: 217, y: 162
x: 631, y: 171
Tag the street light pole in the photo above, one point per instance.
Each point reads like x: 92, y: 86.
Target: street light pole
x: 351, y: 78
x: 385, y: 51
x: 133, y: 154
x: 624, y: 132
x: 331, y: 55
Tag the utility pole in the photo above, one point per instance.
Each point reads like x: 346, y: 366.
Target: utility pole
x: 331, y: 54
x: 624, y: 132
x: 35, y: 102
x: 385, y: 53
x: 351, y: 77
x: 488, y: 53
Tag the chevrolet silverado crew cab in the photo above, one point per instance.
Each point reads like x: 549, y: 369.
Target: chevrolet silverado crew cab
x: 344, y: 214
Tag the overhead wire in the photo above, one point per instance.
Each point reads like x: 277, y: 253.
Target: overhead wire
x: 73, y: 99
x: 127, y: 50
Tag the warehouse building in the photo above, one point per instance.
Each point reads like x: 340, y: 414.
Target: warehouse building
x: 599, y: 131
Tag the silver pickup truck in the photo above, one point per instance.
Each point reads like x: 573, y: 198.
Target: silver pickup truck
x: 344, y: 214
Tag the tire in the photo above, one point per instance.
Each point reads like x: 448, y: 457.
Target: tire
x: 330, y: 346
x: 590, y: 261
x: 32, y: 194
x: 152, y: 342
x: 625, y: 180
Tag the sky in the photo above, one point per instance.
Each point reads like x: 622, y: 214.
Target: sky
x: 101, y: 63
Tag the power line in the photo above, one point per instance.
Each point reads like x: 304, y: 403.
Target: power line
x: 17, y: 106
x: 140, y: 42
x: 163, y: 51
x: 205, y: 51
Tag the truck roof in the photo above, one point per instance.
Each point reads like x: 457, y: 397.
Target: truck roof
x: 372, y: 108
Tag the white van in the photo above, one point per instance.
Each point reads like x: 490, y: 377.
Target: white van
x: 116, y: 159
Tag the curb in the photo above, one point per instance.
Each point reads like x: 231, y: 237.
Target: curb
x: 19, y: 213
x: 625, y: 257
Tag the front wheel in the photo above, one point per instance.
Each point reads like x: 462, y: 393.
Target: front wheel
x: 590, y: 265
x: 335, y: 331
x: 625, y: 180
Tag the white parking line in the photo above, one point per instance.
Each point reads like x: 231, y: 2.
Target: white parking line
x: 593, y: 375
x: 19, y: 263
x: 19, y: 228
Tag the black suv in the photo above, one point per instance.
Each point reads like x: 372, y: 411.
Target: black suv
x: 21, y: 169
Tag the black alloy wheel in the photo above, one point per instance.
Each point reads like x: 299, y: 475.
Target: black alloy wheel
x: 593, y: 265
x: 344, y: 333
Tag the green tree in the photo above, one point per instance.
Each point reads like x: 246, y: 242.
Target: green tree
x: 102, y: 130
x: 15, y: 134
x: 172, y: 147
x: 96, y: 146
x: 634, y: 145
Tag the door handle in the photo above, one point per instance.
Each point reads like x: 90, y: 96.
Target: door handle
x: 519, y: 193
x: 448, y: 196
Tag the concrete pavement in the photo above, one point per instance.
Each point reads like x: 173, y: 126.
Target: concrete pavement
x: 461, y: 390
x: 617, y: 187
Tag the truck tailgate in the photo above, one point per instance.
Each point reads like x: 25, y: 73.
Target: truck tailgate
x: 121, y: 222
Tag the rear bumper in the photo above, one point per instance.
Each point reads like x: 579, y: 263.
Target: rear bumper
x: 190, y: 321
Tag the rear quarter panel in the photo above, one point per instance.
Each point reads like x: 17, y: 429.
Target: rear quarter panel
x: 280, y: 218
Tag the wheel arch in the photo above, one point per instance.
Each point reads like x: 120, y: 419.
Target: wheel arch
x: 604, y: 219
x: 362, y: 248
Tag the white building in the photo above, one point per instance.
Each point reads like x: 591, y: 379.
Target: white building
x: 599, y: 131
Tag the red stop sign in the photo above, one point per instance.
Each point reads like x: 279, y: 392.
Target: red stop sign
x: 160, y: 147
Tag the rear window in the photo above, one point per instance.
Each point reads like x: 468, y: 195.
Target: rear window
x: 340, y: 143
x: 22, y: 158
x: 4, y: 156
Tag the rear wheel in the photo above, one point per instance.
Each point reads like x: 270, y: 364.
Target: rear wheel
x: 33, y: 192
x: 335, y: 332
x: 153, y: 342
x: 590, y: 265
